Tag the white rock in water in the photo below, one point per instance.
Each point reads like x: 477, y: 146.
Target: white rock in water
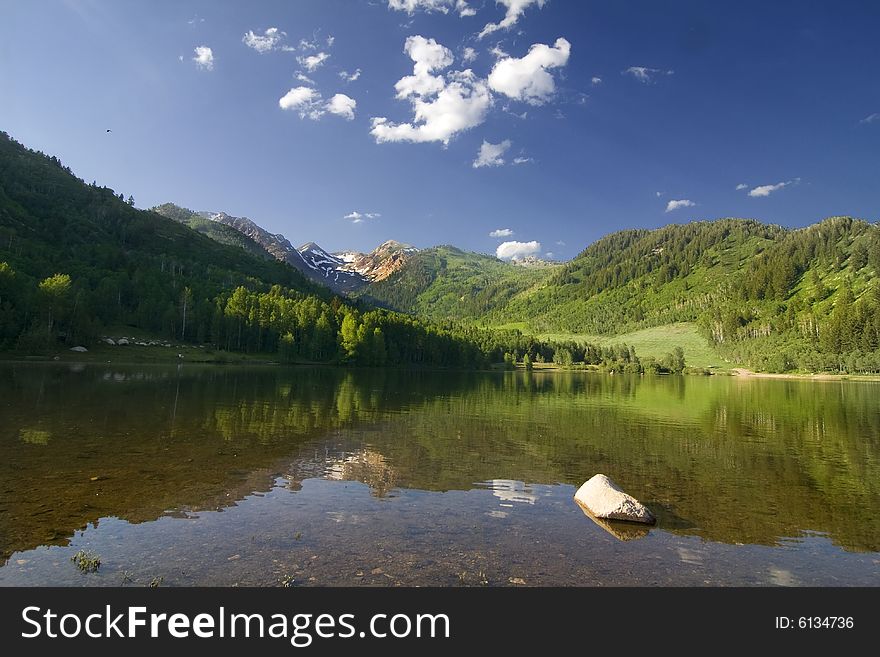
x: 604, y: 499
x: 79, y: 349
x: 110, y: 341
x: 122, y: 341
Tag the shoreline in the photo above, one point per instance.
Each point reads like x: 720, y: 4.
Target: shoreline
x: 139, y: 357
x: 746, y: 373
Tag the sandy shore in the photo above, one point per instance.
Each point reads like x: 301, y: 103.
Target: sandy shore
x: 741, y: 371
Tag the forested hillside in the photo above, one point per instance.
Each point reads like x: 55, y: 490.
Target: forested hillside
x: 215, y: 230
x: 765, y: 297
x: 76, y: 259
x: 809, y: 301
x: 446, y: 283
x: 638, y: 278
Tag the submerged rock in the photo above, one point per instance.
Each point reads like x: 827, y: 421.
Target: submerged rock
x: 80, y: 350
x: 604, y: 499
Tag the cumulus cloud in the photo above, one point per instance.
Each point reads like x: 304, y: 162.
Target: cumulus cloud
x: 741, y: 187
x: 443, y: 105
x: 766, y: 190
x: 468, y: 55
x: 871, y: 118
x: 490, y: 155
x: 350, y: 77
x: 265, y: 42
x: 302, y: 77
x: 305, y: 100
x: 312, y: 62
x: 356, y: 217
x: 515, y: 9
x: 677, y: 205
x: 501, y: 232
x: 427, y: 56
x: 527, y: 78
x: 596, y: 80
x: 517, y: 250
x: 309, y: 104
x: 343, y: 106
x: 204, y: 58
x: 645, y: 74
x: 442, y: 6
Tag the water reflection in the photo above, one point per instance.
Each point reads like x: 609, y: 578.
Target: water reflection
x: 622, y: 531
x: 725, y: 460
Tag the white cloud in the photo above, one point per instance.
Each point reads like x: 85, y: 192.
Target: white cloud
x: 871, y: 118
x: 560, y: 243
x: 263, y: 43
x: 312, y: 62
x: 501, y: 232
x: 522, y: 160
x: 302, y: 77
x: 658, y: 194
x: 468, y: 55
x: 522, y: 116
x: 442, y: 6
x: 461, y: 6
x: 490, y: 155
x: 356, y: 217
x: 549, y: 254
x: 303, y: 99
x: 343, y: 106
x: 309, y: 104
x: 741, y: 186
x: 427, y: 54
x: 676, y: 205
x: 442, y: 106
x: 596, y: 80
x: 330, y: 40
x: 527, y: 78
x: 645, y: 74
x: 515, y: 9
x: 204, y: 58
x: 350, y: 77
x: 766, y: 190
x: 497, y: 51
x: 517, y: 250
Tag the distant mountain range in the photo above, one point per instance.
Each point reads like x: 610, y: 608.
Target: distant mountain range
x: 79, y: 258
x: 735, y: 277
x: 346, y: 272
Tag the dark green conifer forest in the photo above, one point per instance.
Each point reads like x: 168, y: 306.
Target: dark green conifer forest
x: 79, y: 261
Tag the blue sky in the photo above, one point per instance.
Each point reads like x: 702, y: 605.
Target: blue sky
x: 585, y: 117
